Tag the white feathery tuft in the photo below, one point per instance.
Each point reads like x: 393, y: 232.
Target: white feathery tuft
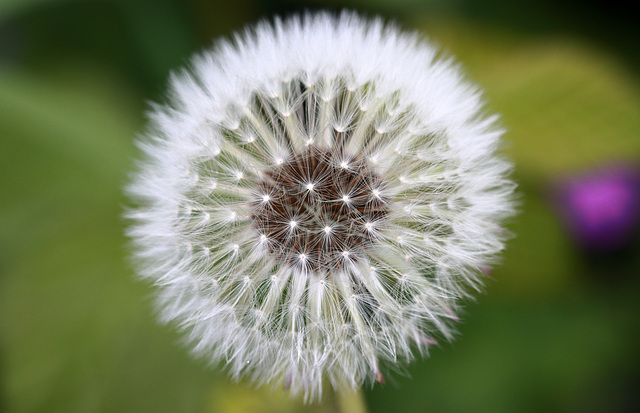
x: 317, y: 198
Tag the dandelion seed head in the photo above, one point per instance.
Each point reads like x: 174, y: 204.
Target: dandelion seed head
x: 342, y: 194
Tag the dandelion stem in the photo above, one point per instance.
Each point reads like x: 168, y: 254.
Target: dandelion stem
x: 351, y: 402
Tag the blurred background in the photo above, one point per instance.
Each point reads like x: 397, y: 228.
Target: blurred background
x: 558, y: 327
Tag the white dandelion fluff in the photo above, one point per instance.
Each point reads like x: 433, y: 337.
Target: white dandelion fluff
x: 316, y: 200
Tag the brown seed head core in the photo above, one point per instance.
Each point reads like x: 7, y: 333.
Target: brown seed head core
x: 318, y: 210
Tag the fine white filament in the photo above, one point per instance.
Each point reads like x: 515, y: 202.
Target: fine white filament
x: 291, y: 276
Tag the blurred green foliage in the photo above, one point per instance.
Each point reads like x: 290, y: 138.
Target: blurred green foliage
x: 557, y: 331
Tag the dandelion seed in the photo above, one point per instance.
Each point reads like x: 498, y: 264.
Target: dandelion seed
x: 357, y: 190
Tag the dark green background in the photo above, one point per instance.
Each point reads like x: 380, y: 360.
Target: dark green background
x: 557, y: 329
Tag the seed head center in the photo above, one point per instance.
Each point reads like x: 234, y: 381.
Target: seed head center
x: 316, y: 213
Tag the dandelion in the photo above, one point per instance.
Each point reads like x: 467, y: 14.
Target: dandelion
x: 316, y: 200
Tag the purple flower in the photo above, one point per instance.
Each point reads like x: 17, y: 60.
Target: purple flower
x: 601, y: 208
